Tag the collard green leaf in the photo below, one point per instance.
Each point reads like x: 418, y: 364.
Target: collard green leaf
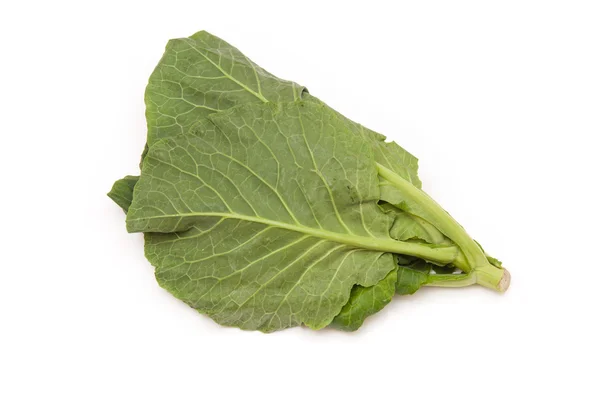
x: 366, y: 301
x: 202, y: 74
x: 411, y: 277
x: 259, y: 172
x: 122, y: 191
x: 394, y: 157
x: 261, y: 205
x: 388, y: 154
x: 198, y: 76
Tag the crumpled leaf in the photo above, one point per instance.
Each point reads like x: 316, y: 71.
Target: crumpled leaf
x: 412, y: 276
x: 366, y: 301
x: 407, y: 226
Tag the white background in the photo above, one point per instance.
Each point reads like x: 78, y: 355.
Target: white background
x: 500, y: 100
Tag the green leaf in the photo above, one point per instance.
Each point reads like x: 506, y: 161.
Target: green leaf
x: 366, y: 301
x: 122, y: 191
x: 266, y: 214
x: 298, y: 186
x: 394, y: 157
x: 411, y: 277
x: 198, y: 76
x: 407, y: 226
x: 388, y: 154
x: 202, y: 74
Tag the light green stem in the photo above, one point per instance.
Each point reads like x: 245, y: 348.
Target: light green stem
x: 444, y: 280
x: 472, y: 259
x: 493, y: 278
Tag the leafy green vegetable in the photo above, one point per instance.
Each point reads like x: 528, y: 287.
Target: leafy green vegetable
x: 265, y: 209
x: 300, y: 190
x: 122, y: 191
x: 196, y: 77
x: 202, y: 74
x: 366, y: 301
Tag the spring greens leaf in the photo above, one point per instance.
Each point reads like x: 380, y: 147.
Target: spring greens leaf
x: 122, y: 191
x: 264, y: 208
x: 178, y: 69
x: 260, y: 171
x: 366, y: 301
x: 201, y: 75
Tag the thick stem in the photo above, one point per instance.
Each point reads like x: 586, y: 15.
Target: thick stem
x: 471, y: 259
x: 489, y: 276
x: 493, y: 277
x: 443, y: 280
x: 425, y: 207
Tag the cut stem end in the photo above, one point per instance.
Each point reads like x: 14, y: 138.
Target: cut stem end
x: 493, y: 277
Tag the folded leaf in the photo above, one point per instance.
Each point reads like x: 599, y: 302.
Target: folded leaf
x: 407, y: 226
x: 411, y: 277
x: 366, y: 301
x: 122, y: 191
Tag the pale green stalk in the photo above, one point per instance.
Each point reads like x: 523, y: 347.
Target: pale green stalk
x: 472, y: 260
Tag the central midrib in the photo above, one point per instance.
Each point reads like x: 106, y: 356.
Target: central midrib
x: 438, y: 254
